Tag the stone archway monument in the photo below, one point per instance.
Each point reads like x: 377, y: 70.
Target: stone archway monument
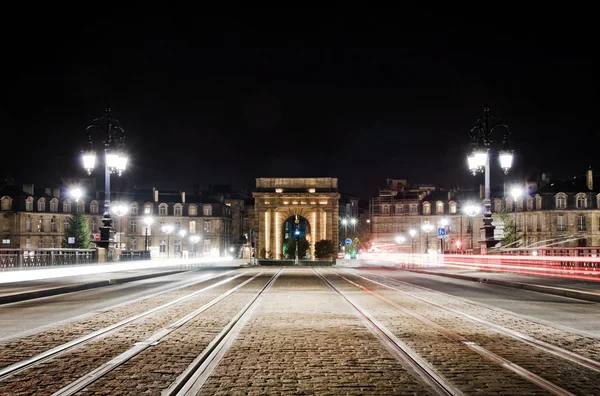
x: 316, y: 199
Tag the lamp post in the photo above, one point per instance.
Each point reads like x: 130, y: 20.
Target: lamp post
x: 115, y: 161
x: 412, y: 232
x: 76, y: 193
x: 479, y: 161
x: 427, y: 228
x: 120, y: 210
x: 181, y: 234
x: 194, y: 239
x: 167, y: 229
x: 148, y: 220
x: 516, y: 193
x: 444, y: 223
x: 471, y: 210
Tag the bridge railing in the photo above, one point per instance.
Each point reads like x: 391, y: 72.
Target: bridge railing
x: 11, y: 259
x: 133, y: 255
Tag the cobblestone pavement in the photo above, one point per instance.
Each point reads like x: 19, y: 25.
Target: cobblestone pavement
x: 53, y: 374
x: 13, y: 351
x: 568, y: 375
x: 303, y: 339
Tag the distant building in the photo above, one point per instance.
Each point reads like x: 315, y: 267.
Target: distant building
x: 32, y: 219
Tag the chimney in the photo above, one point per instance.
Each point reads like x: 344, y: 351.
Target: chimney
x: 56, y: 192
x: 28, y: 188
x: 155, y: 194
x: 481, y: 191
x: 183, y: 197
x: 589, y: 178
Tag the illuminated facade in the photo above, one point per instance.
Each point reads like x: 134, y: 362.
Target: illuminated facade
x: 277, y: 200
x: 30, y: 220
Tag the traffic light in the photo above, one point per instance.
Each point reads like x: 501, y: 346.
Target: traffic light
x: 297, y: 234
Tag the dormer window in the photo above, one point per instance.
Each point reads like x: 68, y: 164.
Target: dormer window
x: 439, y: 207
x: 538, y: 202
x: 426, y: 208
x: 193, y: 210
x: 385, y: 209
x: 29, y: 204
x: 207, y: 210
x: 177, y: 210
x: 66, y: 206
x: 94, y: 207
x: 134, y: 209
x: 148, y: 209
x: 452, y: 206
x: 581, y: 201
x: 561, y: 201
x: 41, y: 205
x: 162, y: 209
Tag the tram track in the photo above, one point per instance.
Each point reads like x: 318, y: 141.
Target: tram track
x: 541, y: 345
x: 487, y: 354
x: 190, y: 375
x: 56, y: 351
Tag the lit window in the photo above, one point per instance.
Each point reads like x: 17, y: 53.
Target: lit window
x: 439, y: 207
x: 29, y: 204
x: 311, y: 190
x: 452, y: 207
x: 192, y: 226
x: 162, y: 247
x: 148, y: 209
x: 561, y: 202
x: 177, y: 210
x: 193, y: 210
x: 426, y: 208
x: 5, y: 241
x: 41, y: 205
x: 162, y: 210
x: 41, y: 224
x: 279, y: 190
x: 385, y: 209
x: 207, y: 227
x: 207, y: 210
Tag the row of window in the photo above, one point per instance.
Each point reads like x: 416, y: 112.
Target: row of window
x: 534, y: 222
x: 133, y: 209
x: 133, y: 225
x: 54, y: 243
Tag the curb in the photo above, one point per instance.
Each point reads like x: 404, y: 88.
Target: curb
x: 10, y: 298
x: 557, y: 291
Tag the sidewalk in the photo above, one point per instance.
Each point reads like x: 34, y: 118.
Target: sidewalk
x: 573, y: 288
x: 29, y: 284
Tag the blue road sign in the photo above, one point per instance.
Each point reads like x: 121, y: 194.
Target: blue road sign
x: 441, y: 232
x: 348, y: 241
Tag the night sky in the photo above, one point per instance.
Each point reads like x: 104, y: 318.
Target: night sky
x: 206, y: 99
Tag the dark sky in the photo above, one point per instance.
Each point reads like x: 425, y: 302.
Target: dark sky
x: 209, y: 99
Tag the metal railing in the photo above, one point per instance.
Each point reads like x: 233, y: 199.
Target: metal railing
x: 130, y: 255
x: 35, y: 258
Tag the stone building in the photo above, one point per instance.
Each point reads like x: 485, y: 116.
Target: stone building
x: 279, y: 202
x: 32, y: 219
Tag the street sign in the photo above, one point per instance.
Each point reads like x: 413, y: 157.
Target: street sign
x: 348, y: 241
x: 441, y: 232
x: 71, y: 240
x: 96, y: 237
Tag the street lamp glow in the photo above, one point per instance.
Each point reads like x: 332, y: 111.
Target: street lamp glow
x: 471, y: 210
x: 481, y: 158
x: 516, y: 193
x: 167, y: 228
x: 76, y: 193
x: 444, y: 222
x: 506, y: 159
x: 121, y: 164
x: 148, y: 220
x: 427, y: 227
x: 412, y: 232
x: 400, y: 239
x: 194, y: 238
x: 353, y: 221
x: 89, y: 161
x: 344, y: 222
x: 182, y: 233
x: 120, y: 210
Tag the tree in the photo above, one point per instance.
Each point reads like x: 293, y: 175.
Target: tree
x: 503, y: 216
x: 289, y: 248
x: 78, y: 229
x: 324, y: 249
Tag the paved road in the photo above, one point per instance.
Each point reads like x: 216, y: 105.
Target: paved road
x: 303, y: 336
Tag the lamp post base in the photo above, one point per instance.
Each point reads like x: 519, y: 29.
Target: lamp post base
x: 107, y: 235
x: 487, y: 240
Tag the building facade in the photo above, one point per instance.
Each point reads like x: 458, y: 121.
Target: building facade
x: 38, y: 220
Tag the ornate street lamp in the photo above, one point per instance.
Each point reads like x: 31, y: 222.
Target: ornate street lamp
x: 148, y: 220
x: 478, y: 161
x: 115, y: 161
x: 167, y: 229
x: 471, y: 210
x: 194, y: 240
x: 427, y: 228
